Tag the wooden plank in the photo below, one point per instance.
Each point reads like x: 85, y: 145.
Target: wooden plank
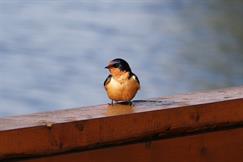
x: 91, y: 127
x: 220, y: 146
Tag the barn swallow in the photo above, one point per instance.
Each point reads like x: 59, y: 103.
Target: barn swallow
x: 122, y: 84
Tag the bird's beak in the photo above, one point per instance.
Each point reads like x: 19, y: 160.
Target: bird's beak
x: 108, y: 66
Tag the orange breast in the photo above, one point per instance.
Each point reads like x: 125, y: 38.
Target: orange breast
x: 122, y: 90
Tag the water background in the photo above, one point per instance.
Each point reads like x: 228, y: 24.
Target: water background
x: 53, y: 52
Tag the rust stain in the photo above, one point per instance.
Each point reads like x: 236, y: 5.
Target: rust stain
x: 80, y: 126
x: 203, y: 150
x: 195, y: 116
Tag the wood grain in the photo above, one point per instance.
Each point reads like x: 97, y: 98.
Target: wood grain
x: 94, y: 127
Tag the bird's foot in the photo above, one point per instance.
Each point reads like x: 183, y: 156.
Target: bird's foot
x: 112, y: 103
x: 130, y: 103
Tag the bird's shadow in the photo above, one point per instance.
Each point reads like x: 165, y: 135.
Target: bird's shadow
x: 122, y: 103
x: 145, y: 102
x: 122, y: 107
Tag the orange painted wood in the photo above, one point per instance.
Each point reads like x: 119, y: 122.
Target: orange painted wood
x: 219, y: 146
x: 92, y: 127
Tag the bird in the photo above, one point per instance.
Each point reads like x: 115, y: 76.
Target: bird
x: 121, y: 84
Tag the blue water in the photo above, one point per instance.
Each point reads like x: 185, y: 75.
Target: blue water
x: 53, y: 53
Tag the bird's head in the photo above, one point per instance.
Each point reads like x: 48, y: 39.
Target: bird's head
x: 120, y: 64
x: 117, y: 66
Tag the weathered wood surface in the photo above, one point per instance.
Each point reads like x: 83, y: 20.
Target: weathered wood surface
x: 94, y: 127
x: 219, y: 146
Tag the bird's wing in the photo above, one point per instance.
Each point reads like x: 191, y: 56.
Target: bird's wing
x: 134, y: 76
x: 107, y: 80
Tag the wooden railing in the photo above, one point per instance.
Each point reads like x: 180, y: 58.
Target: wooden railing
x: 196, y: 127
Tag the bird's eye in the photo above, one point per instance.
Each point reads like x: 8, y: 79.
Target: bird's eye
x: 115, y: 65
